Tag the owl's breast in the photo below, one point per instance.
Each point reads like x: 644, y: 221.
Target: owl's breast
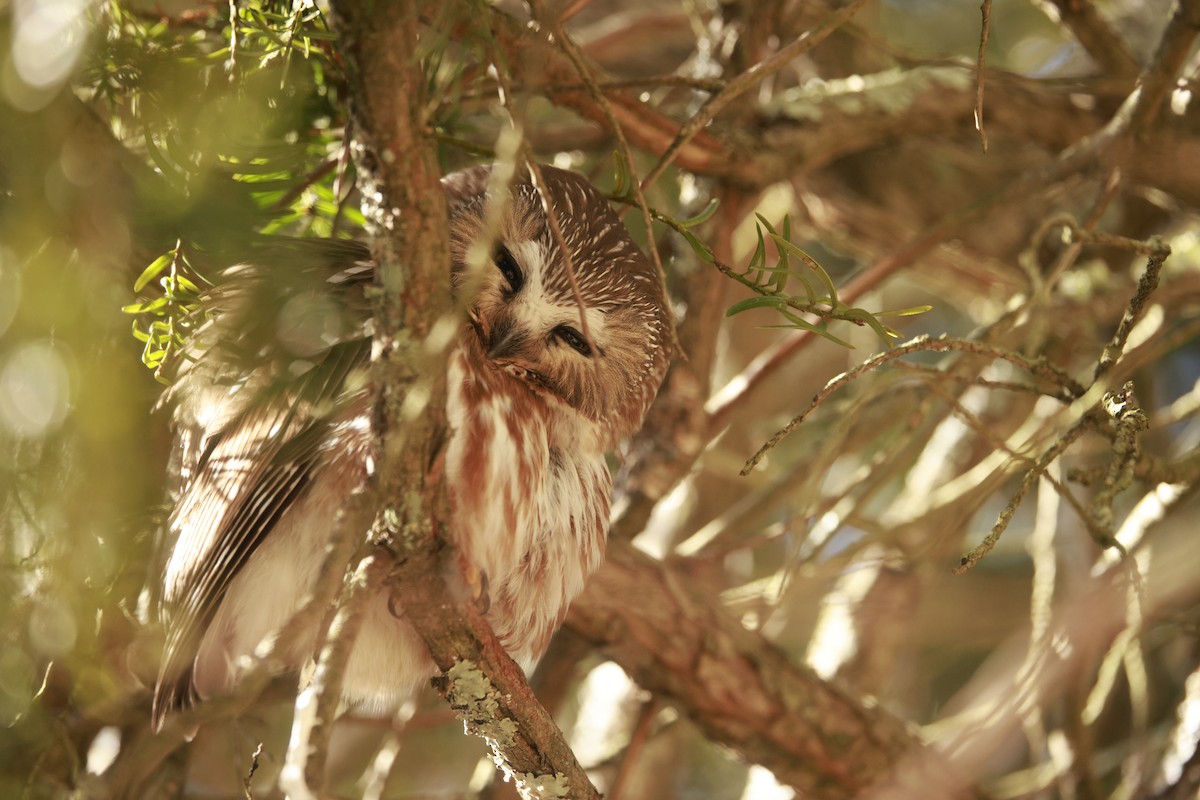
x: 530, y: 502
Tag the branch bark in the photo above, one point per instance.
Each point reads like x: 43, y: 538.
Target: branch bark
x: 741, y: 690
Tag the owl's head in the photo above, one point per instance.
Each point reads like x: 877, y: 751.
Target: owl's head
x: 526, y: 316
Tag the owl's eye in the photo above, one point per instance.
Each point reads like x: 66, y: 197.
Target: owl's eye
x: 509, y: 269
x: 574, y: 338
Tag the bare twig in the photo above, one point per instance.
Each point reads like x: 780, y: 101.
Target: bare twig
x: 937, y: 374
x: 1158, y: 78
x: 250, y: 772
x: 316, y: 705
x: 539, y: 181
x: 633, y: 750
x: 291, y: 195
x: 1031, y: 475
x: 1102, y: 43
x: 985, y: 30
x: 1066, y: 387
x: 1068, y: 257
x: 643, y: 126
x: 1137, y: 306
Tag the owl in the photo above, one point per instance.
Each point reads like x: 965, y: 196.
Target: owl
x: 272, y: 413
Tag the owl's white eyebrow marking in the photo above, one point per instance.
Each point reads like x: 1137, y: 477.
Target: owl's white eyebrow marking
x: 532, y: 305
x: 531, y: 256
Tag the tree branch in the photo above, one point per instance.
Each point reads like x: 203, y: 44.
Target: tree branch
x: 1097, y: 37
x: 741, y: 690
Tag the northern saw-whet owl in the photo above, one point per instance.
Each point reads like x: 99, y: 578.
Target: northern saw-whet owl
x: 272, y: 409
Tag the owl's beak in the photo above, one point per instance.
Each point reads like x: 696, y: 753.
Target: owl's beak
x: 507, y: 341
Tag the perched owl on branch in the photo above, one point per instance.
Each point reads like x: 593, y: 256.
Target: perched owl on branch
x: 272, y: 408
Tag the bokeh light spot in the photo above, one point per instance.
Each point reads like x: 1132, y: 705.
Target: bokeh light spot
x: 47, y: 39
x: 34, y: 390
x: 52, y: 628
x: 10, y: 289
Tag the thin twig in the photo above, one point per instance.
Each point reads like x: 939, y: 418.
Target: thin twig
x: 249, y: 792
x: 1158, y: 78
x: 1039, y: 468
x: 709, y: 85
x: 1137, y: 307
x: 985, y: 30
x: 316, y: 705
x: 1070, y: 255
x: 572, y: 8
x: 974, y: 380
x: 1128, y: 421
x: 1116, y: 405
x: 291, y: 195
x: 984, y: 432
x: 1101, y: 41
x: 826, y: 308
x: 568, y: 260
x: 1068, y: 388
x: 633, y: 751
x: 340, y: 194
x: 539, y: 181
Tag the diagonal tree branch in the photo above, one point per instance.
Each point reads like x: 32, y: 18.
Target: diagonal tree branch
x: 741, y: 690
x: 1158, y: 78
x: 1092, y: 31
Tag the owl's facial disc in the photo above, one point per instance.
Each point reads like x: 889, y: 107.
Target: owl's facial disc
x: 525, y: 319
x: 533, y: 333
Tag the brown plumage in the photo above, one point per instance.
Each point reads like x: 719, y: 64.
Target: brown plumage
x: 272, y: 415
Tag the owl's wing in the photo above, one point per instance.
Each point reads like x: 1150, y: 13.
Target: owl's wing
x: 270, y: 438
x: 253, y: 437
x: 230, y: 510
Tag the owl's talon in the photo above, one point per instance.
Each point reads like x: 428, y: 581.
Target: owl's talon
x: 477, y: 586
x: 482, y: 600
x: 393, y: 604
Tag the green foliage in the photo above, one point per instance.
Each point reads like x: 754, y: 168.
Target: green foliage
x: 165, y: 322
x: 238, y: 119
x: 820, y: 297
x: 229, y: 112
x: 773, y: 283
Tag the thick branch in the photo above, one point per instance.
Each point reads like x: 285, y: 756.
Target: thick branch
x: 398, y: 167
x: 484, y: 685
x: 740, y: 689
